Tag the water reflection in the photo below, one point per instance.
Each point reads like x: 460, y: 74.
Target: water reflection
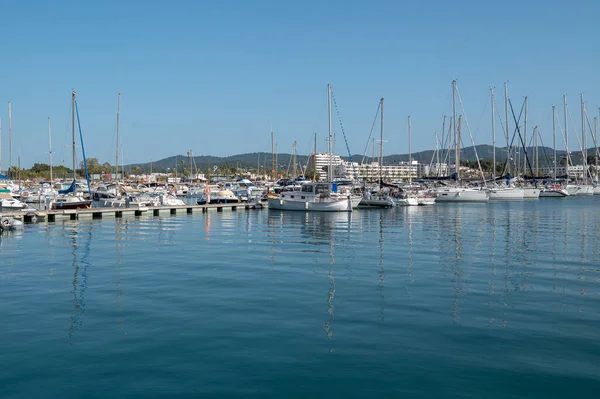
x: 381, y: 273
x: 80, y: 239
x: 121, y: 228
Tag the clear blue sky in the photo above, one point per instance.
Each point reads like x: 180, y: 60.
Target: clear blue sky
x: 215, y: 76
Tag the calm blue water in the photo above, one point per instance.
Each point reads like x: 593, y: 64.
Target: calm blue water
x: 496, y: 301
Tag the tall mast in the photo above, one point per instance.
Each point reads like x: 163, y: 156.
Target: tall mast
x: 456, y: 138
x: 73, y: 135
x: 329, y: 149
x: 458, y: 148
x: 596, y: 139
x: 506, y: 122
x: 525, y: 138
x: 493, y: 138
x: 583, y: 142
x: 9, y: 136
x: 554, y: 137
x: 273, y: 155
x: 314, y: 160
x: 50, y: 147
x: 0, y: 145
x: 409, y: 156
x: 566, y: 134
x: 381, y: 145
x: 537, y: 160
x: 295, y: 160
x: 118, y: 123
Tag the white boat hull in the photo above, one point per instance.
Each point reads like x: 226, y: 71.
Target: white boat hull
x: 531, y: 193
x: 506, y: 194
x: 429, y: 200
x: 409, y: 201
x: 462, y: 195
x: 337, y: 205
x: 580, y: 189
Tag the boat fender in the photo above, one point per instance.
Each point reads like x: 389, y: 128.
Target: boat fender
x: 306, y: 205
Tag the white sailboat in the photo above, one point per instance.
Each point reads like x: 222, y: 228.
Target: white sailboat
x: 409, y: 198
x: 379, y: 199
x: 459, y: 193
x: 577, y: 189
x: 71, y: 198
x: 497, y: 192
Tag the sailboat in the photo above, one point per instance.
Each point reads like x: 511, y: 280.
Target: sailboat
x: 71, y: 198
x: 459, y: 193
x: 497, y: 192
x: 409, y: 198
x: 379, y: 200
x: 554, y: 190
x: 316, y: 196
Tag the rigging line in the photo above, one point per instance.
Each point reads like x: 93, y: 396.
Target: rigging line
x: 87, y: 177
x: 509, y: 148
x: 470, y: 136
x: 545, y: 154
x: 371, y: 133
x: 520, y: 137
x: 337, y: 110
x: 591, y: 130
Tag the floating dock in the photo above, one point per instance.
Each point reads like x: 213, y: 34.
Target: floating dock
x: 31, y: 215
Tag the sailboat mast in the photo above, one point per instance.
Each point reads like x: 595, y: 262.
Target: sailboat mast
x: 554, y: 137
x: 9, y: 136
x: 537, y: 160
x: 456, y: 138
x: 583, y: 142
x: 458, y: 149
x: 273, y: 155
x: 314, y: 160
x: 493, y: 137
x: 525, y: 137
x: 409, y: 156
x: 118, y: 123
x: 0, y: 145
x: 50, y: 147
x: 73, y: 136
x: 381, y: 145
x: 295, y: 175
x: 506, y: 122
x: 566, y: 134
x: 329, y: 171
x: 596, y: 139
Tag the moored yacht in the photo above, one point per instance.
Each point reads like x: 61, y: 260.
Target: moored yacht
x: 319, y: 197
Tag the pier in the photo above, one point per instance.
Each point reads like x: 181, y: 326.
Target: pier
x: 31, y: 216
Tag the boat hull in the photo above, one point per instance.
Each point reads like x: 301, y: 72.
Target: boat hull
x: 376, y: 203
x: 553, y: 193
x: 506, y: 194
x: 580, y: 189
x: 340, y: 205
x: 71, y: 205
x: 531, y: 193
x: 462, y: 195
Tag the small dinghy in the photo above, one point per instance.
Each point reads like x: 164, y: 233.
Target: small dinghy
x: 7, y: 223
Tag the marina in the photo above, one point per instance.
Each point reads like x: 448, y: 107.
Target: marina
x: 317, y: 200
x: 210, y: 302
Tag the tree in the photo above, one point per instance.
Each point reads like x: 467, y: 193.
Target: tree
x: 106, y: 168
x: 93, y: 166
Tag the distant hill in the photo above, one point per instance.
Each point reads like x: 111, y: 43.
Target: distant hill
x: 254, y: 159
